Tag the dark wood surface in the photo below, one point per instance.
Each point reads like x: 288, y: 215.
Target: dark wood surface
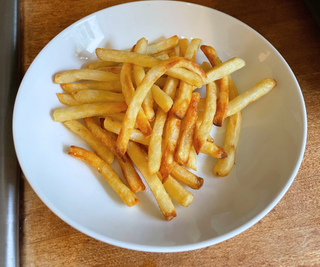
x: 288, y: 236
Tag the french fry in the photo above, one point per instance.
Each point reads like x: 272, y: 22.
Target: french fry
x: 182, y: 100
x: 108, y: 86
x: 115, y: 127
x: 128, y: 92
x: 224, y: 69
x: 95, y: 96
x: 161, y: 55
x: 139, y: 73
x: 187, y: 132
x: 153, y: 182
x: 213, y: 150
x: 87, y: 110
x: 108, y: 174
x: 223, y: 97
x: 163, y: 45
x: 188, y: 178
x: 82, y: 131
x: 194, y: 78
x: 183, y: 45
x: 192, y: 161
x: 224, y: 166
x: 253, y: 94
x: 162, y: 99
x: 128, y: 170
x: 172, y: 130
x: 100, y: 64
x: 178, y: 192
x: 115, y: 70
x: 85, y: 74
x: 161, y: 81
x: 155, y: 146
x: 202, y: 132
x: 68, y: 99
x: 142, y: 91
x: 117, y: 116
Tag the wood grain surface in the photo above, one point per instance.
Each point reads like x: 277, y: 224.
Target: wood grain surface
x: 288, y: 236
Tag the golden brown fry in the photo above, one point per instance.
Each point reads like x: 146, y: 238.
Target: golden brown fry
x: 195, y: 78
x: 142, y: 91
x: 192, y: 161
x: 224, y: 69
x: 87, y: 110
x: 253, y: 94
x: 115, y: 70
x: 213, y: 150
x: 172, y: 130
x: 139, y: 74
x: 95, y: 96
x: 183, y: 45
x: 82, y: 131
x: 115, y: 127
x: 108, y: 174
x: 202, y: 133
x: 187, y: 132
x: 223, y: 97
x: 100, y: 64
x: 125, y: 163
x: 117, y: 116
x: 108, y: 86
x: 68, y: 99
x: 224, y: 166
x: 183, y: 97
x: 70, y: 76
x: 155, y: 146
x: 154, y: 183
x: 128, y: 92
x: 163, y: 45
x: 161, y: 98
x: 184, y: 176
x: 178, y: 192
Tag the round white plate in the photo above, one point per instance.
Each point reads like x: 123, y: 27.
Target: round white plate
x: 271, y: 146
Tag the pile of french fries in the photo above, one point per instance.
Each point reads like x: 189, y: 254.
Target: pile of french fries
x: 141, y: 106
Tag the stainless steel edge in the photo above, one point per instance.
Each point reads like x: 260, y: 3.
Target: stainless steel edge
x: 9, y: 167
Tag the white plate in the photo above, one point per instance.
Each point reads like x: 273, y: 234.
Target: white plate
x: 271, y: 146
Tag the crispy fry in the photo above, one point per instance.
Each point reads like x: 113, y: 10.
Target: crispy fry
x: 162, y: 55
x: 224, y: 69
x: 162, y: 99
x: 139, y: 74
x: 194, y: 78
x: 163, y: 45
x: 253, y: 94
x: 184, y: 176
x: 128, y: 92
x: 87, y: 110
x: 125, y: 163
x: 183, y: 45
x: 100, y: 64
x: 202, y: 132
x: 184, y: 93
x: 108, y: 174
x: 115, y: 70
x: 68, y: 99
x: 85, y: 74
x: 178, y: 192
x: 142, y: 91
x: 82, y: 131
x: 172, y: 130
x: 213, y: 150
x: 117, y: 116
x: 224, y: 166
x: 192, y: 161
x: 95, y: 96
x: 187, y: 132
x: 155, y: 146
x: 108, y: 86
x: 153, y: 182
x: 115, y: 127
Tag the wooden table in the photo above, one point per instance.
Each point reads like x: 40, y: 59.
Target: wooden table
x: 288, y: 236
